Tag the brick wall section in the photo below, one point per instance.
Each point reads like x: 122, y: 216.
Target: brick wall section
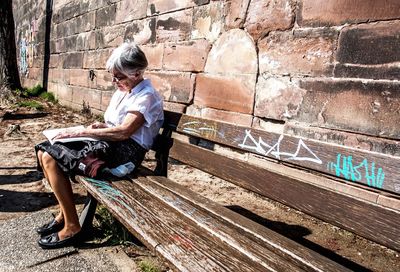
x: 332, y: 64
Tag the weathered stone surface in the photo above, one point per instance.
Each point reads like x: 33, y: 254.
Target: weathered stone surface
x: 208, y: 21
x: 235, y: 13
x: 370, y: 44
x: 140, y: 31
x: 128, y: 10
x: 304, y: 52
x: 105, y: 16
x: 187, y: 56
x: 89, y: 96
x: 96, y: 59
x: 265, y: 16
x: 384, y: 71
x: 73, y: 60
x: 101, y: 81
x: 372, y: 108
x: 173, y: 86
x: 79, y: 77
x: 390, y: 202
x: 82, y: 41
x: 231, y: 93
x: 337, y: 12
x: 110, y: 36
x: 221, y: 115
x: 55, y: 60
x: 268, y: 125
x: 277, y: 98
x: 163, y: 6
x: 175, y: 107
x: 358, y: 141
x: 233, y: 53
x: 70, y: 43
x: 174, y: 27
x: 59, y: 75
x: 64, y: 92
x: 67, y: 11
x: 105, y: 99
x: 86, y: 22
x: 154, y: 55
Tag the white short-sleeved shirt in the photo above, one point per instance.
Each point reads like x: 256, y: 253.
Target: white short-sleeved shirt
x: 144, y: 99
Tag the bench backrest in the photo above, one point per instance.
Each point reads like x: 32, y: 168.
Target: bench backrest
x: 372, y: 170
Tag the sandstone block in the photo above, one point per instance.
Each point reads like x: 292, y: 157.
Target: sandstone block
x: 141, y: 31
x: 277, y: 98
x: 105, y: 99
x: 235, y: 13
x: 221, y: 115
x: 163, y: 6
x: 231, y: 93
x: 208, y: 21
x: 372, y: 108
x: 383, y: 71
x: 89, y: 96
x: 370, y: 44
x: 101, y: 81
x: 174, y: 26
x: 338, y: 12
x: 265, y: 16
x: 299, y: 53
x: 105, y: 16
x: 233, y: 53
x: 110, y: 36
x: 173, y: 86
x: 64, y: 92
x: 174, y: 107
x: 154, y: 55
x: 73, y: 60
x: 96, y: 59
x: 79, y: 77
x: 187, y: 56
x: 128, y: 10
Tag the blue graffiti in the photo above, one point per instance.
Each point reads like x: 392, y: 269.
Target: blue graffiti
x: 112, y: 193
x: 346, y: 168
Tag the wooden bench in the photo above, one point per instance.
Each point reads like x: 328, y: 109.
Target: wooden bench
x: 193, y: 233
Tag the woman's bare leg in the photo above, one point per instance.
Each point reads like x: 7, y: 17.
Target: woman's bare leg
x: 59, y: 217
x: 63, y: 191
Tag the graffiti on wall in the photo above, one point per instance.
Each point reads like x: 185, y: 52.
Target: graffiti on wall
x: 27, y: 48
x: 346, y: 168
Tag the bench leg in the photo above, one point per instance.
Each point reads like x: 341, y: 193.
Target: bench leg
x: 87, y: 215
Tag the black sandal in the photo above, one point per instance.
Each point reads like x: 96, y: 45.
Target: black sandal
x: 51, y: 227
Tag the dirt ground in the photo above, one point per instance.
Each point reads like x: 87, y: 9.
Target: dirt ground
x: 22, y: 192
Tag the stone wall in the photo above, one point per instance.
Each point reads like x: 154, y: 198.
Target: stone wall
x: 322, y: 69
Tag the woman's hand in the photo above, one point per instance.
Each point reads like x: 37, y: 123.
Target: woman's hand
x: 71, y: 134
x: 97, y: 125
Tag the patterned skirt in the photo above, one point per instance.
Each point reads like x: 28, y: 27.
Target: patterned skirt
x: 114, y: 153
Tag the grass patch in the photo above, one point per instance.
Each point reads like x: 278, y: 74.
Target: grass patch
x: 111, y: 229
x: 30, y: 104
x: 48, y: 97
x: 147, y: 265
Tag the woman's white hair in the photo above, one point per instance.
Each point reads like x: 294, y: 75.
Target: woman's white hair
x: 127, y: 59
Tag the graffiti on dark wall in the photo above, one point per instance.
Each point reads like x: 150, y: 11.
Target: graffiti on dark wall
x: 27, y: 48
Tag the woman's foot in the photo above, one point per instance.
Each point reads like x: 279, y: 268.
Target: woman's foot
x: 66, y: 237
x: 53, y: 226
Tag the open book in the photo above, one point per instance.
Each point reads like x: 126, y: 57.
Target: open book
x: 51, y: 133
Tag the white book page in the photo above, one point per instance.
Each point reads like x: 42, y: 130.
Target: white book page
x: 51, y: 133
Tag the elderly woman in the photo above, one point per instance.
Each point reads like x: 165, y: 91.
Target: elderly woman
x: 132, y: 120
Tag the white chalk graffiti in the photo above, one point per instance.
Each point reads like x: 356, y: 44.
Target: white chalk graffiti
x: 201, y: 129
x: 265, y: 149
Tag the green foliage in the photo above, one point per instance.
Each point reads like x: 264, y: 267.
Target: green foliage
x: 48, y: 97
x: 111, y: 229
x: 34, y: 91
x: 148, y: 266
x: 30, y: 104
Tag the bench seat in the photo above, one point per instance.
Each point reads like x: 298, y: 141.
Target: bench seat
x: 193, y: 233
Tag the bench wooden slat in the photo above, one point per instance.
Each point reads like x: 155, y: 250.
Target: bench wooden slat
x: 360, y: 166
x: 363, y: 218
x: 162, y: 228
x: 264, y: 245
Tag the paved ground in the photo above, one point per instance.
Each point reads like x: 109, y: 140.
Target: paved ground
x: 20, y: 251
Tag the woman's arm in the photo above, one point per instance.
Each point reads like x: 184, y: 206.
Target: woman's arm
x: 132, y: 121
